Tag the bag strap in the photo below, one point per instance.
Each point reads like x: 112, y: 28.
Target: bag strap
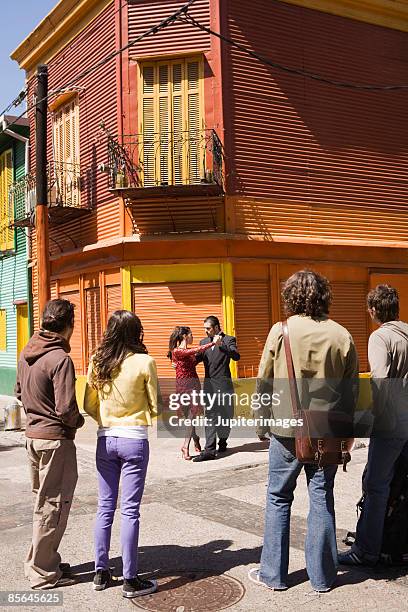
x: 294, y: 393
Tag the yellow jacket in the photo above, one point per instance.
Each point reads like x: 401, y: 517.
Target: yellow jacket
x: 131, y: 398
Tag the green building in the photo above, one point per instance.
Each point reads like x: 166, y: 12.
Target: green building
x: 14, y: 279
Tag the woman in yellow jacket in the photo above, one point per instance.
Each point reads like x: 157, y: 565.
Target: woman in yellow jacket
x: 121, y: 395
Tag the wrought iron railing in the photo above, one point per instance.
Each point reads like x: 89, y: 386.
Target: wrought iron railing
x: 193, y: 157
x: 66, y: 184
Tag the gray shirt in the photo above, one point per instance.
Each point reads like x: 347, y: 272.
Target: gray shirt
x: 388, y: 357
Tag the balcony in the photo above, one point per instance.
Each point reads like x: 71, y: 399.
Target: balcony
x: 69, y: 195
x: 165, y: 165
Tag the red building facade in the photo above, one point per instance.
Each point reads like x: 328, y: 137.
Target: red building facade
x: 189, y: 178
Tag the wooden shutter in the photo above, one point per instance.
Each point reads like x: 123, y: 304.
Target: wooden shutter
x: 252, y: 322
x: 193, y: 119
x: 3, y: 330
x: 164, y: 166
x: 171, y: 122
x: 22, y: 327
x: 350, y: 310
x: 177, y: 124
x: 93, y: 319
x: 114, y: 298
x: 162, y: 306
x: 6, y: 209
x: 76, y: 339
x: 66, y: 153
x: 148, y: 119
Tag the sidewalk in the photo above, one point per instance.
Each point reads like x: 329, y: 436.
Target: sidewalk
x: 201, y: 530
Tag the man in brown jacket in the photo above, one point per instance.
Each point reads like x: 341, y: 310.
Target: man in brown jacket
x: 46, y: 387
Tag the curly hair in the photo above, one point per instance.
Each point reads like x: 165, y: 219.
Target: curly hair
x: 385, y: 300
x: 123, y: 337
x: 307, y: 293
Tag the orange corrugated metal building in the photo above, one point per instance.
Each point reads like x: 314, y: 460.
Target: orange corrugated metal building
x: 188, y: 178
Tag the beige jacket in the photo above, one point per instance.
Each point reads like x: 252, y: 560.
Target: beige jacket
x: 131, y: 399
x: 324, y: 358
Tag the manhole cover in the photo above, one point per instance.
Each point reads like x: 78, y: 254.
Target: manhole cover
x: 193, y: 592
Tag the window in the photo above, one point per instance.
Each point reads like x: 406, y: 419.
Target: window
x: 6, y: 211
x: 66, y: 171
x: 3, y: 330
x: 172, y: 138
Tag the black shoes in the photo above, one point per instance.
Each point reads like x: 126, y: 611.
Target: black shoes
x: 222, y: 446
x: 204, y: 457
x: 65, y: 569
x: 101, y: 580
x: 352, y: 558
x: 136, y: 587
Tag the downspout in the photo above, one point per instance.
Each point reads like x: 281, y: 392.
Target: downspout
x: 26, y: 140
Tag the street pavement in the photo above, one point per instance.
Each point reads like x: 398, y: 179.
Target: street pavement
x: 201, y: 530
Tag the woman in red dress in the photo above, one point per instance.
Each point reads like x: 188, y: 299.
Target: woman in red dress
x: 184, y: 361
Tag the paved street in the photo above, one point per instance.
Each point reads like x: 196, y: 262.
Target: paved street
x: 201, y: 530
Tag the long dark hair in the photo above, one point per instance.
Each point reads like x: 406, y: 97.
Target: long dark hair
x: 123, y: 335
x: 177, y: 336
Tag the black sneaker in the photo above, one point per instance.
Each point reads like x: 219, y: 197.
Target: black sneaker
x: 222, y: 446
x: 136, y: 587
x: 101, y: 579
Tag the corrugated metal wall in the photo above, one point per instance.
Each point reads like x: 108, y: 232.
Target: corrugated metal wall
x: 174, y: 38
x: 252, y: 322
x: 162, y: 306
x: 308, y: 158
x: 97, y: 103
x: 13, y: 272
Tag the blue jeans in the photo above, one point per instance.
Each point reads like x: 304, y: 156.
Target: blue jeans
x: 116, y: 457
x: 382, y: 456
x: 320, y: 546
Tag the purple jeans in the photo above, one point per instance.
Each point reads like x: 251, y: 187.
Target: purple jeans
x: 116, y: 457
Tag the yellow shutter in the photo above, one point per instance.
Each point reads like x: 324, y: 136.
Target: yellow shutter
x: 171, y: 122
x: 3, y: 330
x: 6, y: 206
x: 66, y: 153
x: 193, y: 119
x: 164, y: 124
x: 22, y: 327
x: 179, y: 147
x: 149, y: 169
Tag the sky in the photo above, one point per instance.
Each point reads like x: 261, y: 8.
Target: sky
x: 18, y: 19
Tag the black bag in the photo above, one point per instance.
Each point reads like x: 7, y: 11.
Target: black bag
x: 394, y: 549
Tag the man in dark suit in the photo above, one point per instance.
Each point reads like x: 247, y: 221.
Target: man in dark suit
x: 218, y: 384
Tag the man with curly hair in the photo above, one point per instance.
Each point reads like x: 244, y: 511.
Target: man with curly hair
x: 326, y: 368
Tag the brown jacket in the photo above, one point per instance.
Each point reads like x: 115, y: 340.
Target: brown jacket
x: 46, y: 387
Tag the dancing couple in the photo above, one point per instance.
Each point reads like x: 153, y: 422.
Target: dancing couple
x: 216, y: 352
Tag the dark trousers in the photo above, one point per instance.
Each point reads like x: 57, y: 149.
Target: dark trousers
x: 217, y: 424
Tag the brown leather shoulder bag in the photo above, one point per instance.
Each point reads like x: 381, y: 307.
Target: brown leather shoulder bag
x: 323, y: 449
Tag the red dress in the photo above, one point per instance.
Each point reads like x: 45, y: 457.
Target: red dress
x: 186, y: 375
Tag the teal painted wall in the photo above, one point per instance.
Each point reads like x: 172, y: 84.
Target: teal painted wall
x: 13, y: 282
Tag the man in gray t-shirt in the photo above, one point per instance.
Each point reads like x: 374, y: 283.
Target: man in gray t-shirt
x: 388, y: 357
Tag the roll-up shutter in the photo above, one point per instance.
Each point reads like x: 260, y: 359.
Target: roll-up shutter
x: 349, y: 309
x: 114, y: 298
x: 252, y: 322
x: 162, y: 306
x: 76, y: 338
x: 54, y: 290
x: 93, y: 319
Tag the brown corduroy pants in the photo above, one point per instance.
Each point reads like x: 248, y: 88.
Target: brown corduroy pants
x: 53, y: 471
